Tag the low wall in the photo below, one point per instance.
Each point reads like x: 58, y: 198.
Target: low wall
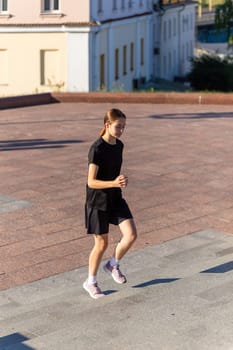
x: 150, y: 97
x: 121, y: 97
x: 26, y: 100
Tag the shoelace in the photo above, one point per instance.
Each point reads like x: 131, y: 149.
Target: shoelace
x: 97, y: 288
x: 119, y: 271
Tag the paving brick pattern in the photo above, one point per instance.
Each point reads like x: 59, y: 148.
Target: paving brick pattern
x: 178, y: 159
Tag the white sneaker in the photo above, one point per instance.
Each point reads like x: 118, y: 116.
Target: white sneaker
x: 115, y: 272
x: 93, y: 290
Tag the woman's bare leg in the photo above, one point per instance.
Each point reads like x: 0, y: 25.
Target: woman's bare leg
x: 129, y: 235
x: 101, y: 243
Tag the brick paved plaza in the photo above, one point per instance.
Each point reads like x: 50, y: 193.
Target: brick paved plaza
x: 178, y: 159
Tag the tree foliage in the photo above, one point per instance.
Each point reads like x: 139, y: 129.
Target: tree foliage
x: 212, y: 73
x: 224, y: 17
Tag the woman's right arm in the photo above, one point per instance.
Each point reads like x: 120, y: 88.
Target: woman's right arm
x: 93, y: 182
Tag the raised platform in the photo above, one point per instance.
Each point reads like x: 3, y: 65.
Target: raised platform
x: 195, y: 98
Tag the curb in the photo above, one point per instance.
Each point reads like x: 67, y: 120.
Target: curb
x: 194, y: 98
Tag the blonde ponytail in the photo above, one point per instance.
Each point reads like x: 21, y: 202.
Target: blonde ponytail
x: 102, y: 132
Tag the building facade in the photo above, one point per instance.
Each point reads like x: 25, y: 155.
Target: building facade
x: 91, y: 45
x: 174, y: 28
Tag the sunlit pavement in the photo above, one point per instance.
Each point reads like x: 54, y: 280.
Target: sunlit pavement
x: 179, y: 162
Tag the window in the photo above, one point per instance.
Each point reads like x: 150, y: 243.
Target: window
x: 50, y: 5
x: 3, y: 6
x: 191, y: 21
x: 116, y: 64
x: 191, y: 48
x: 174, y: 26
x: 174, y: 58
x: 124, y: 59
x: 102, y: 72
x: 142, y: 52
x: 122, y: 4
x: 4, y: 69
x: 169, y: 29
x: 130, y: 4
x: 100, y: 6
x: 114, y: 5
x: 140, y: 3
x: 165, y: 31
x: 185, y: 23
x: 164, y: 66
x: 132, y: 56
x: 169, y: 62
x: 49, y: 67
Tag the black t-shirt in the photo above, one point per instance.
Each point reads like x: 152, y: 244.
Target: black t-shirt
x: 108, y: 157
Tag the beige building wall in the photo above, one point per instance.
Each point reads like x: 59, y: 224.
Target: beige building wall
x: 32, y: 63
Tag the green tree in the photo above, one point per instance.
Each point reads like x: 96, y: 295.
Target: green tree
x: 224, y: 17
x: 212, y: 73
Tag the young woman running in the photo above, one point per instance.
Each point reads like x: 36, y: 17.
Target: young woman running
x: 104, y: 202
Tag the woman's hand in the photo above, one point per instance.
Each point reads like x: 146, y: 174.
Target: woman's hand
x: 93, y: 182
x: 121, y: 181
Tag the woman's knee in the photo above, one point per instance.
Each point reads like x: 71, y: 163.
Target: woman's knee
x: 133, y: 235
x: 101, y: 242
x: 133, y: 231
x: 129, y: 231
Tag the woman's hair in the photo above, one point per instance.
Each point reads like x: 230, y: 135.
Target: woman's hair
x: 111, y: 116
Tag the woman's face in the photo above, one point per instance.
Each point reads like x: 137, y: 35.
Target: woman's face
x: 117, y: 127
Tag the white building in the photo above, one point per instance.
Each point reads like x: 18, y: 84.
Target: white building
x: 74, y: 45
x: 174, y: 38
x: 120, y: 43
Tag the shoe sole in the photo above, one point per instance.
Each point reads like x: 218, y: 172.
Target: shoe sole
x: 109, y: 272
x: 91, y: 295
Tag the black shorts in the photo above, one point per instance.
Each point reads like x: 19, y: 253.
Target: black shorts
x: 97, y: 221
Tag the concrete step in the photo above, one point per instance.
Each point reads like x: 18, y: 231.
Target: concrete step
x: 178, y: 296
